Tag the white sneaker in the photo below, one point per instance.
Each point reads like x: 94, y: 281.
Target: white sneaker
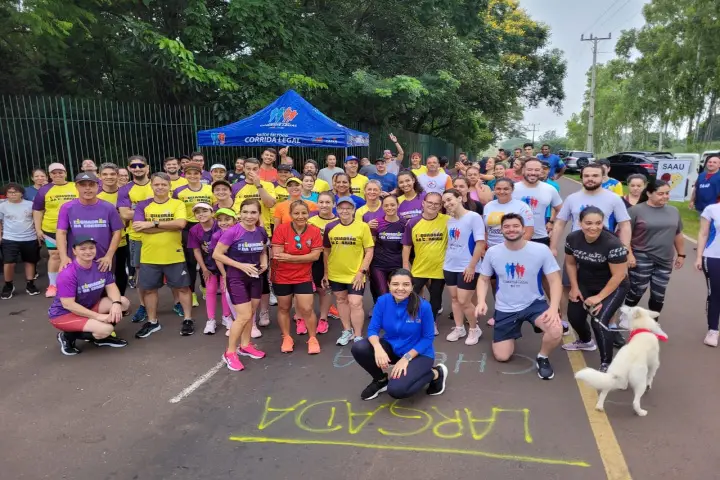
x: 273, y: 299
x: 264, y: 320
x: 345, y: 338
x: 227, y: 321
x: 474, y: 335
x: 711, y: 339
x: 255, y: 332
x: 441, y: 310
x: 456, y: 334
x: 357, y: 339
x: 227, y: 332
x: 210, y: 327
x: 436, y: 330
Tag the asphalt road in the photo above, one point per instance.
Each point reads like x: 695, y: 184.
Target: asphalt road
x: 133, y: 413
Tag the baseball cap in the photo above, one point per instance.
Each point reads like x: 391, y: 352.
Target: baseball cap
x: 80, y: 239
x: 193, y: 166
x: 350, y: 158
x: 387, y: 151
x: 86, y: 177
x: 225, y: 211
x: 346, y: 199
x: 218, y: 165
x: 294, y: 179
x: 221, y: 182
x: 56, y: 166
x: 202, y: 205
x: 380, y: 159
x: 285, y: 168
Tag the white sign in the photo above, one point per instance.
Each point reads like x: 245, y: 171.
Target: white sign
x: 676, y: 173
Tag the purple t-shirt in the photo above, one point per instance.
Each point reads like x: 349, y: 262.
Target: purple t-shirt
x: 370, y: 216
x: 98, y: 221
x: 85, y: 285
x: 206, y: 178
x: 388, y: 244
x: 244, y: 246
x: 200, y: 238
x: 411, y: 208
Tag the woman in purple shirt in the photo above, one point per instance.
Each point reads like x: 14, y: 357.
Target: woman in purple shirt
x: 411, y: 200
x: 79, y: 310
x: 242, y: 251
x: 388, y: 247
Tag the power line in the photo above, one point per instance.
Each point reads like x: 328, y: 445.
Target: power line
x: 603, y: 14
x: 616, y: 12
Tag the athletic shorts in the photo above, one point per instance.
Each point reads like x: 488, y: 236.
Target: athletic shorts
x: 20, y: 252
x: 545, y: 241
x: 346, y: 287
x: 508, y: 326
x: 565, y: 278
x: 456, y: 279
x: 318, y: 272
x: 284, y: 289
x: 50, y: 241
x: 242, y: 290
x: 134, y: 248
x: 153, y: 276
x: 71, y: 322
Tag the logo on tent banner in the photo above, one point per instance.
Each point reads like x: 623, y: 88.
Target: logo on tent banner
x: 218, y: 138
x: 281, y: 117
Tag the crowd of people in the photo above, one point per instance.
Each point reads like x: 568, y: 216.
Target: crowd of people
x: 263, y: 234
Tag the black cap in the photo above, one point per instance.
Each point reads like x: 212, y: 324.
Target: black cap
x: 86, y: 177
x: 221, y: 182
x: 79, y: 240
x: 285, y: 168
x: 379, y: 159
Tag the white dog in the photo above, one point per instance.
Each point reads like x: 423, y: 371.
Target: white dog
x: 635, y: 364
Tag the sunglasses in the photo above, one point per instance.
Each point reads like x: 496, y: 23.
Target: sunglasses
x: 137, y: 165
x: 298, y: 245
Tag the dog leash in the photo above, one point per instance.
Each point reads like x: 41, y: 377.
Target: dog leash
x: 595, y: 319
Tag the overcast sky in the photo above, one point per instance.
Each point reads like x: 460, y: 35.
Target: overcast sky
x: 568, y: 19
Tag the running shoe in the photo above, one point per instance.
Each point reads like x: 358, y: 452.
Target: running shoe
x: 491, y: 321
x: 210, y: 326
x: 31, y: 289
x: 323, y: 326
x: 711, y: 339
x: 7, y: 291
x: 195, y: 302
x: 251, y: 351
x: 375, y: 388
x: 313, y: 346
x: 255, y: 331
x: 437, y: 386
x: 288, y: 344
x: 437, y: 332
x: 357, y: 339
x: 188, y: 328
x: 474, y: 335
x: 345, y: 337
x: 66, y: 346
x: 618, y: 340
x: 566, y: 328
x: 273, y: 299
x: 441, y: 310
x: 179, y: 311
x: 140, y: 315
x: 604, y: 367
x: 233, y: 362
x: 456, y: 334
x: 111, y: 341
x: 227, y: 321
x: 37, y: 275
x: 300, y: 327
x: 333, y: 313
x: 132, y: 283
x: 544, y: 369
x: 203, y: 290
x: 148, y: 329
x: 51, y: 291
x: 579, y: 345
x: 264, y: 319
x: 451, y: 316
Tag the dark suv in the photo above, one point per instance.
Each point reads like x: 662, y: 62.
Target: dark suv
x: 624, y: 164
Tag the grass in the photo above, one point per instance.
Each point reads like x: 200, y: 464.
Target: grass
x: 690, y: 218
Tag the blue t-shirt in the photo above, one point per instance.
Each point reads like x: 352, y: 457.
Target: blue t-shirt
x: 30, y: 193
x: 402, y: 332
x: 707, y: 190
x: 388, y: 181
x: 359, y: 202
x: 554, y: 161
x: 556, y: 185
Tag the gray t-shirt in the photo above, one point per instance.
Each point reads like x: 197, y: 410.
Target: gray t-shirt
x: 654, y: 230
x: 327, y: 174
x: 394, y: 166
x: 368, y: 170
x: 17, y: 221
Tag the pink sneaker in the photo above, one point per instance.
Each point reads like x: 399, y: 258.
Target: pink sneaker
x: 255, y: 331
x: 491, y: 321
x: 323, y: 326
x: 251, y: 351
x: 51, y: 291
x: 300, y: 326
x: 233, y: 362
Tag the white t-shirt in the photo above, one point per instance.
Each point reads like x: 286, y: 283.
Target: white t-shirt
x: 17, y: 221
x: 435, y: 184
x: 328, y: 173
x: 493, y: 213
x: 712, y: 214
x: 519, y: 274
x: 538, y: 198
x: 463, y: 232
x: 610, y: 203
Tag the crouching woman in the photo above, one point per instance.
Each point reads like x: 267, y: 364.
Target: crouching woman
x: 409, y: 327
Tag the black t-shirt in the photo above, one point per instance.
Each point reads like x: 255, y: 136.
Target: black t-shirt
x: 593, y: 259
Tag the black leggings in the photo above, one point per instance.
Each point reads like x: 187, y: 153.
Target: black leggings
x: 378, y: 281
x: 711, y: 269
x: 435, y: 288
x: 578, y: 318
x: 121, y: 276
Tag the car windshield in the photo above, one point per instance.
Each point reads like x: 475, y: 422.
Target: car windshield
x: 581, y: 154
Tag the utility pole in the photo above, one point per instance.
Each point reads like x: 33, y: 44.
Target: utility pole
x: 534, y: 129
x: 591, y: 111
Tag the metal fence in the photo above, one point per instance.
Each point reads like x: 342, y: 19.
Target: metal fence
x: 38, y: 130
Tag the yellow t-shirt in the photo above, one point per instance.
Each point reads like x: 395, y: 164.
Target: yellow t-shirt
x: 320, y: 222
x: 357, y: 185
x: 192, y: 197
x: 163, y: 248
x: 248, y: 190
x: 129, y: 196
x: 112, y: 197
x: 419, y: 171
x: 49, y: 199
x: 281, y: 193
x: 365, y: 209
x: 429, y: 239
x: 347, y: 244
x: 174, y: 184
x: 320, y: 186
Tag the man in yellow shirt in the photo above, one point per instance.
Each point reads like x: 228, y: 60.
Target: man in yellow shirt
x: 357, y: 181
x: 321, y: 185
x: 171, y: 165
x: 160, y: 221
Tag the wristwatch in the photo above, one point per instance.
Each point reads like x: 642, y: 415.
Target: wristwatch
x: 364, y: 271
x: 156, y: 224
x: 682, y: 256
x: 117, y: 302
x: 408, y: 357
x: 259, y: 186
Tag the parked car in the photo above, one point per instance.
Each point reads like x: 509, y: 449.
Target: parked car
x: 624, y: 164
x: 575, y: 159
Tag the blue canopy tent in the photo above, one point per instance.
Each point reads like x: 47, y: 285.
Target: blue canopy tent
x: 288, y: 121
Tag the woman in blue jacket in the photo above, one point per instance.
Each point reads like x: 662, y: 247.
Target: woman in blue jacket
x: 407, y: 321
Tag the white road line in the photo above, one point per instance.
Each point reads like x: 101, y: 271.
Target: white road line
x: 198, y: 383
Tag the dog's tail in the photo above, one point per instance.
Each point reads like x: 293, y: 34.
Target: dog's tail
x: 598, y: 380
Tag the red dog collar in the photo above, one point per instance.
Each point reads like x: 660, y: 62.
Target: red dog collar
x: 662, y: 338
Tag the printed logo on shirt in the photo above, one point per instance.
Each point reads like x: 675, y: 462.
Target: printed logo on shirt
x: 250, y: 247
x: 514, y: 271
x: 162, y: 216
x: 532, y: 202
x: 434, y: 236
x: 454, y: 233
x: 91, y: 287
x: 99, y: 223
x: 391, y: 236
x: 348, y: 240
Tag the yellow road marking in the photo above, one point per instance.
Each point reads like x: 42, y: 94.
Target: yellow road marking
x: 610, y: 452
x: 404, y: 448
